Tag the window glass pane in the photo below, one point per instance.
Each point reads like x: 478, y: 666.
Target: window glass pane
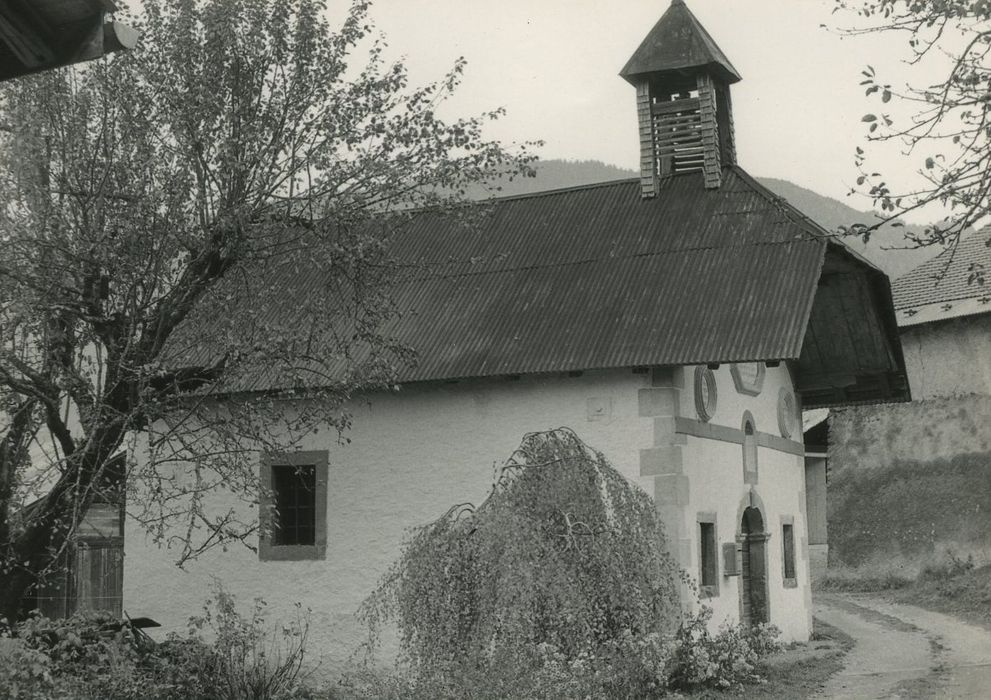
x: 749, y: 449
x: 707, y: 533
x: 295, y: 502
x: 788, y: 535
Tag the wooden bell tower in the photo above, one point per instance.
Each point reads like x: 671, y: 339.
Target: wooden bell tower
x: 683, y: 101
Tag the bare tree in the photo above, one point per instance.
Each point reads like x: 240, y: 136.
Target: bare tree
x: 194, y: 261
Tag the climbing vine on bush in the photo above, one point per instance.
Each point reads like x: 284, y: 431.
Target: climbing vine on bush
x: 565, y: 559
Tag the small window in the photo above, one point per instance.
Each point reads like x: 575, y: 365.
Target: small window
x: 709, y: 582
x: 293, y: 506
x: 705, y: 393
x: 749, y: 450
x: 295, y: 489
x: 788, y: 544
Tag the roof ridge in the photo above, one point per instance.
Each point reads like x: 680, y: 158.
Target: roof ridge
x: 554, y: 191
x: 586, y: 261
x: 795, y: 214
x: 800, y: 218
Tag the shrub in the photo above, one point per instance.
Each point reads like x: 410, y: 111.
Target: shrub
x: 951, y: 567
x: 645, y: 666
x: 558, y: 577
x: 730, y: 658
x: 556, y: 586
x: 248, y: 660
x: 24, y: 673
x: 92, y: 656
x: 89, y: 655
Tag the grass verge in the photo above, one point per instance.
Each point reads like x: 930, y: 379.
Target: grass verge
x: 966, y: 594
x: 954, y: 586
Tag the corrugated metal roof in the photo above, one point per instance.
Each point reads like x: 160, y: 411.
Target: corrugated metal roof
x: 939, y: 287
x: 678, y: 41
x: 597, y: 277
x: 589, y: 278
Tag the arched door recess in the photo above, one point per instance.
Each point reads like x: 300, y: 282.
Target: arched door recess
x: 753, y: 580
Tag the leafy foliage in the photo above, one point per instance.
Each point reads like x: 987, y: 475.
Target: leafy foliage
x: 161, y: 208
x: 727, y: 659
x: 563, y: 561
x: 92, y: 656
x: 946, y: 135
x: 649, y: 665
x: 249, y: 660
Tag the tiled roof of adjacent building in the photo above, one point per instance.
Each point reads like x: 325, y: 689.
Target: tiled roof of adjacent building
x: 947, y: 286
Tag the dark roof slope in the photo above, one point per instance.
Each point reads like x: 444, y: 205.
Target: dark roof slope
x: 948, y: 276
x: 596, y: 277
x: 677, y: 42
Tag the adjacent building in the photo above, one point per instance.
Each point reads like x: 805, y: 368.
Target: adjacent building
x: 944, y: 315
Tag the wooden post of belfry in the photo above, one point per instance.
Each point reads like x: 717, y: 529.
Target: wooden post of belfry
x: 711, y: 168
x: 648, y: 160
x: 724, y: 115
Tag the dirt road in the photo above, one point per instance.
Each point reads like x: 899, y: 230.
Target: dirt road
x: 906, y: 652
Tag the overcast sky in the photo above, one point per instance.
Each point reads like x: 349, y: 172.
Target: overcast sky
x: 553, y: 64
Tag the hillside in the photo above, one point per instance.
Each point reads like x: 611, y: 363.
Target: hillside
x: 827, y: 212
x: 886, y: 248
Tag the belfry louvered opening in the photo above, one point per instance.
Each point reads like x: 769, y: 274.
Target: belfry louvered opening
x: 676, y: 114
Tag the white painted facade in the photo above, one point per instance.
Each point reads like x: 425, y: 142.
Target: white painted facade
x: 416, y: 452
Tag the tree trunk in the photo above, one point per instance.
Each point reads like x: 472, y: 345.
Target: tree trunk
x: 51, y: 521
x: 28, y: 554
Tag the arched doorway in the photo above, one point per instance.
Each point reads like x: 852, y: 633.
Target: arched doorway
x: 753, y: 579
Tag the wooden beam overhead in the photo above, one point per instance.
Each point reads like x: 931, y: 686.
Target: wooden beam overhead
x: 38, y: 35
x: 23, y: 41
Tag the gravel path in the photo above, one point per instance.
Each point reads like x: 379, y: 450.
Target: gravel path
x: 906, y: 652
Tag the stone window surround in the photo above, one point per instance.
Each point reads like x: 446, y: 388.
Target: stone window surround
x: 267, y: 551
x: 704, y: 376
x: 788, y: 413
x: 661, y: 464
x: 710, y: 591
x: 741, y: 385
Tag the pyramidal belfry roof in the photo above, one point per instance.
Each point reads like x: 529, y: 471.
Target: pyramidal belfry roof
x: 678, y: 42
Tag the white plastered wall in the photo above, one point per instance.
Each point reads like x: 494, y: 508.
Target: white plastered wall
x: 716, y: 485
x: 416, y: 452
x: 412, y: 455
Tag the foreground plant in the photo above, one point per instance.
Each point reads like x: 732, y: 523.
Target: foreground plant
x: 92, y: 656
x: 562, y: 567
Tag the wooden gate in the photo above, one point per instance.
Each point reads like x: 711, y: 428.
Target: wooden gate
x: 99, y: 574
x: 90, y: 574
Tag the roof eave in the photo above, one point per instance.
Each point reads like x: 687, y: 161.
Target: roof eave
x: 32, y: 41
